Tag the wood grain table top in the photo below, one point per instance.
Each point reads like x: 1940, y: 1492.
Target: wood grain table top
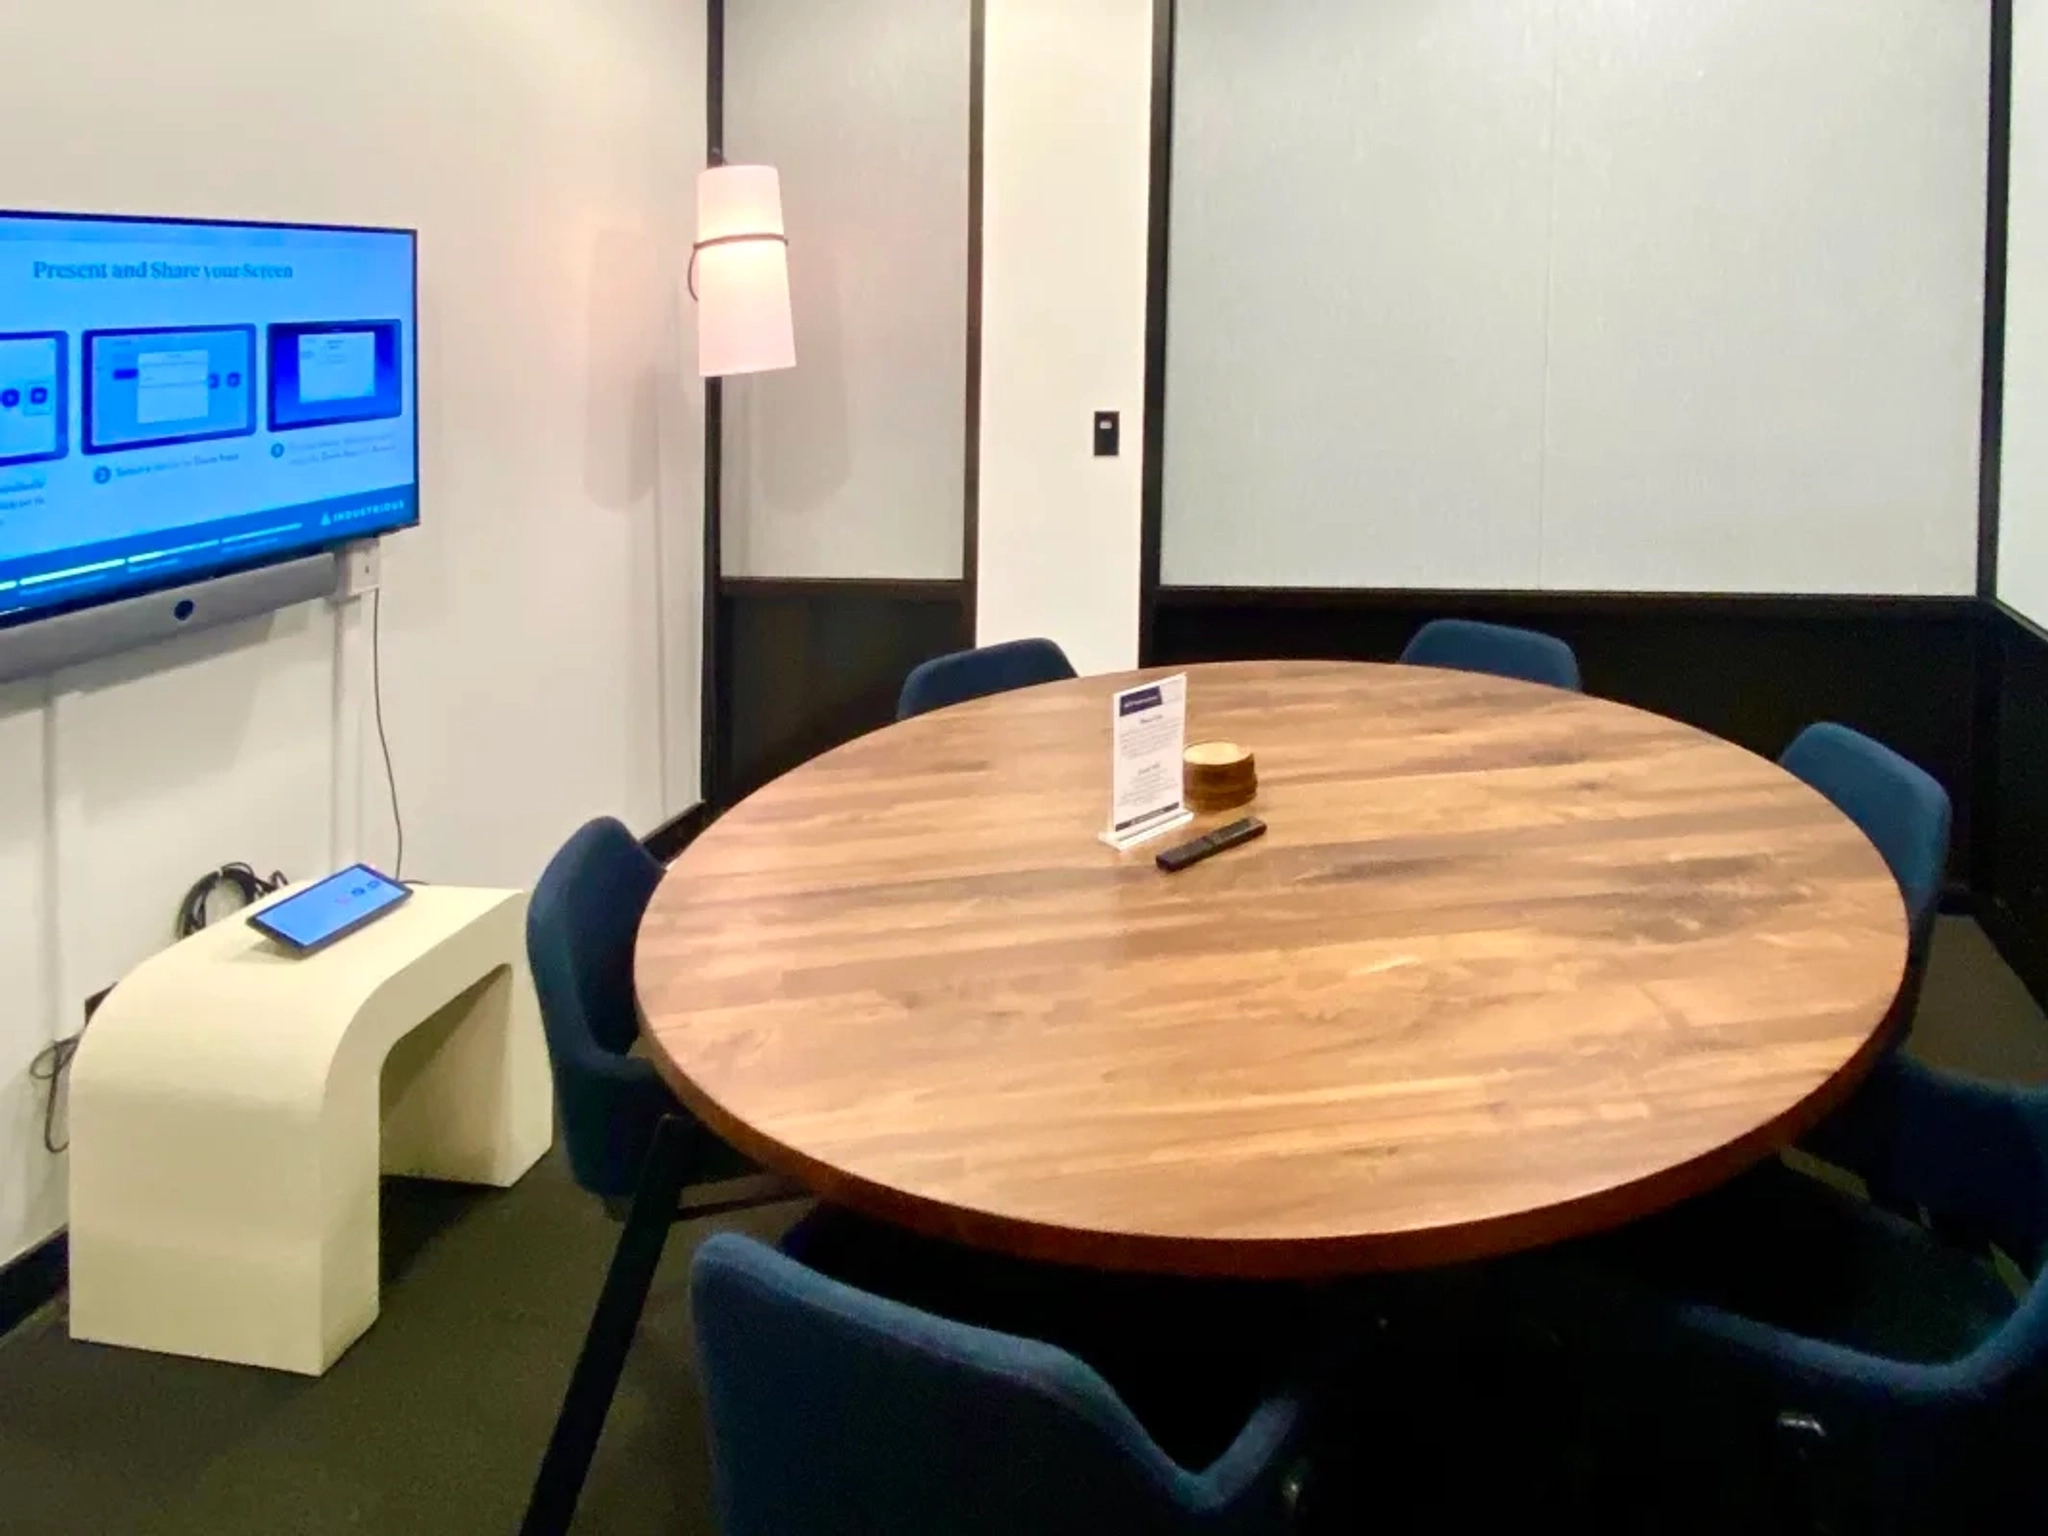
x: 1511, y: 965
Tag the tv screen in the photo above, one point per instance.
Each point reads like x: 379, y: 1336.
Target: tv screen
x: 182, y: 399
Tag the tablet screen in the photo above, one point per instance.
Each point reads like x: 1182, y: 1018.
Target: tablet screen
x: 329, y: 909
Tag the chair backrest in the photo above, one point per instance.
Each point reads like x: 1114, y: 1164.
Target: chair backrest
x: 978, y: 673
x: 1465, y: 645
x: 580, y: 928
x: 834, y: 1411
x: 1897, y: 804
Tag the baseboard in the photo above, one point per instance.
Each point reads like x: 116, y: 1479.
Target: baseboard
x: 33, y: 1280
x: 669, y: 839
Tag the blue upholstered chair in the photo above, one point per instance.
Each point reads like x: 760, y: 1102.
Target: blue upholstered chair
x: 1871, y: 1354
x: 1465, y: 645
x: 1906, y: 815
x: 836, y: 1412
x: 978, y: 673
x: 580, y: 928
x: 625, y: 1134
x: 1902, y: 810
x: 1853, y: 1350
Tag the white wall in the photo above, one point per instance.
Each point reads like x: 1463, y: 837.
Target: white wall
x: 1577, y: 294
x: 2023, y: 490
x: 540, y: 629
x: 1065, y: 158
x: 850, y: 464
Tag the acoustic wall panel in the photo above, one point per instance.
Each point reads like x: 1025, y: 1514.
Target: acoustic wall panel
x: 1766, y: 303
x: 1356, y: 294
x: 1675, y: 295
x: 852, y: 463
x: 2023, y: 498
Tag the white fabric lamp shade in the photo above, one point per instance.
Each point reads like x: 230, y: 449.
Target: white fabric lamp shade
x: 742, y: 272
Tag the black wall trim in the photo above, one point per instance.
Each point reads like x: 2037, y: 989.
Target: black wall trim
x: 1433, y: 602
x: 977, y: 117
x: 1986, y: 725
x: 33, y: 1280
x: 669, y: 839
x: 1998, y: 189
x: 1152, y: 477
x: 712, y: 700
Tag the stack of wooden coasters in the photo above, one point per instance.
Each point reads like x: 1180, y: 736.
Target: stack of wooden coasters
x: 1218, y: 776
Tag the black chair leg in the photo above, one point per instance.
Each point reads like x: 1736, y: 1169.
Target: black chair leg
x: 610, y: 1336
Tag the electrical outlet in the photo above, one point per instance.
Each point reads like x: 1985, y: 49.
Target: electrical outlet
x: 358, y: 569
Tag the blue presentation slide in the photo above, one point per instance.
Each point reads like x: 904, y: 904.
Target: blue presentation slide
x: 180, y: 398
x: 334, y: 372
x: 33, y: 409
x: 145, y: 389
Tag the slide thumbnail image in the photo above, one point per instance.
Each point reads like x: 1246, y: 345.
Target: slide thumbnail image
x: 34, y: 414
x: 146, y: 388
x: 333, y: 372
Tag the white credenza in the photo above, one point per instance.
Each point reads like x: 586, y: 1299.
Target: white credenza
x: 232, y: 1108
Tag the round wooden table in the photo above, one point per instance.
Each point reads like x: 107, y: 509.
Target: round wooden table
x: 1511, y: 965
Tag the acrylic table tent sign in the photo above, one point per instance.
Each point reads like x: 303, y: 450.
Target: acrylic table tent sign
x: 1148, y: 727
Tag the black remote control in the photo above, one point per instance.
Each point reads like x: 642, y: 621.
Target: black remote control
x: 1180, y: 858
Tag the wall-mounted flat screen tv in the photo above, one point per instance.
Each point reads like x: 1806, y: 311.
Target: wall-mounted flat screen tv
x: 182, y: 399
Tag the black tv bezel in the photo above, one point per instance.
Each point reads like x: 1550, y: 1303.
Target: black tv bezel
x: 191, y: 578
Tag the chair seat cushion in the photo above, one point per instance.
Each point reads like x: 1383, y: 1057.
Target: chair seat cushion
x: 1785, y: 1248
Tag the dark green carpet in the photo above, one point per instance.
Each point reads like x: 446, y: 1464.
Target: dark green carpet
x: 434, y: 1421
